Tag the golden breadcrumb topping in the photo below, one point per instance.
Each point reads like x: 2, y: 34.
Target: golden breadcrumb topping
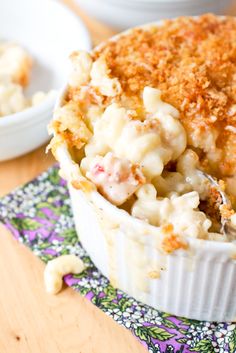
x: 193, y: 62
x: 70, y: 126
x: 172, y: 241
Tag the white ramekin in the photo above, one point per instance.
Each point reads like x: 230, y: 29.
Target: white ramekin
x: 197, y: 283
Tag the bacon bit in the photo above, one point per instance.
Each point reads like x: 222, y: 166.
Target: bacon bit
x: 83, y: 185
x: 98, y: 169
x: 173, y: 242
x: 154, y: 274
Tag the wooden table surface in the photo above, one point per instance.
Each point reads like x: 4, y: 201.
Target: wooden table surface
x: 32, y: 321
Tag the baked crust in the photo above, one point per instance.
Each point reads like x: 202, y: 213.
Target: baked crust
x: 193, y: 62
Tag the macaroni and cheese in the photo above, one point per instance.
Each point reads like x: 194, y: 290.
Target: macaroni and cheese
x: 57, y: 268
x: 143, y: 114
x: 15, y: 69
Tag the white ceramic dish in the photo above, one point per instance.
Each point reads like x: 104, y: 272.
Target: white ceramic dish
x: 198, y: 283
x: 49, y: 32
x: 122, y: 14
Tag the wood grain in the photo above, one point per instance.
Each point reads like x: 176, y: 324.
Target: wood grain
x: 30, y: 319
x: 20, y: 170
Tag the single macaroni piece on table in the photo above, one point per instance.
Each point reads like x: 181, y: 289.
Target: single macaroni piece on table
x: 59, y: 267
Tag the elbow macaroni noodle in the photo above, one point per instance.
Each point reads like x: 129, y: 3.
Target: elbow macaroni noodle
x: 125, y: 154
x: 59, y: 267
x: 12, y: 99
x: 180, y: 211
x: 152, y: 143
x: 100, y: 79
x: 81, y: 67
x: 15, y: 69
x: 187, y: 166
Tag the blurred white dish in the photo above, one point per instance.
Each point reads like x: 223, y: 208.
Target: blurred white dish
x: 123, y: 14
x: 49, y: 32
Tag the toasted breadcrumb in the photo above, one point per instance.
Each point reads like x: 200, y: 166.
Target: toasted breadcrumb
x: 193, y: 62
x: 70, y: 126
x: 212, y: 204
x: 226, y: 211
x: 173, y: 242
x: 167, y: 228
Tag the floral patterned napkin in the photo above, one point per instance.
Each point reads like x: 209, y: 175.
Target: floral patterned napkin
x: 39, y: 215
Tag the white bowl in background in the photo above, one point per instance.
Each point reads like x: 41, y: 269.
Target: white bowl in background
x: 123, y: 14
x: 49, y: 32
x: 197, y: 283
